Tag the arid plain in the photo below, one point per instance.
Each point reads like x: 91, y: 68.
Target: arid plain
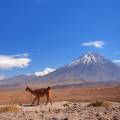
x: 82, y: 94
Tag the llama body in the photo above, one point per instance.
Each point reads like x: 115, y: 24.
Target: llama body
x: 38, y: 93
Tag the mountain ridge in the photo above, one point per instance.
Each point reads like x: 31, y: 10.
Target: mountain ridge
x: 88, y: 68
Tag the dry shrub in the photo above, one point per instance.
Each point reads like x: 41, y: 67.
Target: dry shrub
x: 66, y: 105
x: 107, y: 104
x: 9, y: 109
x: 100, y: 104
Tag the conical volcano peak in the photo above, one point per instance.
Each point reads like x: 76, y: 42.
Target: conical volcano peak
x: 91, y: 57
x: 88, y: 58
x: 91, y: 54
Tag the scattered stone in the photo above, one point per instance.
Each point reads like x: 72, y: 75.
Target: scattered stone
x: 65, y: 118
x: 36, y: 111
x: 54, y: 119
x: 61, y: 111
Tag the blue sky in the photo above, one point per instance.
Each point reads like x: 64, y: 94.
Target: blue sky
x: 51, y: 33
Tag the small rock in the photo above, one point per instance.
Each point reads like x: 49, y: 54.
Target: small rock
x: 115, y: 118
x: 30, y: 119
x: 36, y: 111
x: 65, y: 118
x: 54, y: 119
x: 23, y: 113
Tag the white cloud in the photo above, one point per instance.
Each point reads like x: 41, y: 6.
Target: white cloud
x: 97, y: 44
x: 13, y: 61
x: 44, y: 72
x: 21, y: 55
x: 116, y: 61
x: 2, y: 77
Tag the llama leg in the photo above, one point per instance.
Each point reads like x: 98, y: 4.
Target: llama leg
x: 38, y: 100
x: 47, y: 100
x: 50, y: 100
x: 34, y: 100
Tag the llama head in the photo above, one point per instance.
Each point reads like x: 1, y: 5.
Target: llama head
x: 27, y: 88
x: 48, y: 88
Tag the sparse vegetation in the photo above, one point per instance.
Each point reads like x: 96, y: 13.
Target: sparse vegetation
x: 100, y: 104
x: 12, y: 108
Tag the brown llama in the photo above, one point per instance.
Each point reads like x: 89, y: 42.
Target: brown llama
x: 38, y: 93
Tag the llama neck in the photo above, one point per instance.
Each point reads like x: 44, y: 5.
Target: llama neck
x: 30, y: 90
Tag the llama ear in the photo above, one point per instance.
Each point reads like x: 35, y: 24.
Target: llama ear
x: 27, y: 83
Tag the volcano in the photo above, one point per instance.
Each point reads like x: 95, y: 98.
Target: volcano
x: 90, y: 67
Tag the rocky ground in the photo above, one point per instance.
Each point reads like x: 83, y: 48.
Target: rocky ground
x: 63, y: 111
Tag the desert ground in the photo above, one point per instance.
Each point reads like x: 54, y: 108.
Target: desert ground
x: 60, y: 111
x: 68, y: 104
